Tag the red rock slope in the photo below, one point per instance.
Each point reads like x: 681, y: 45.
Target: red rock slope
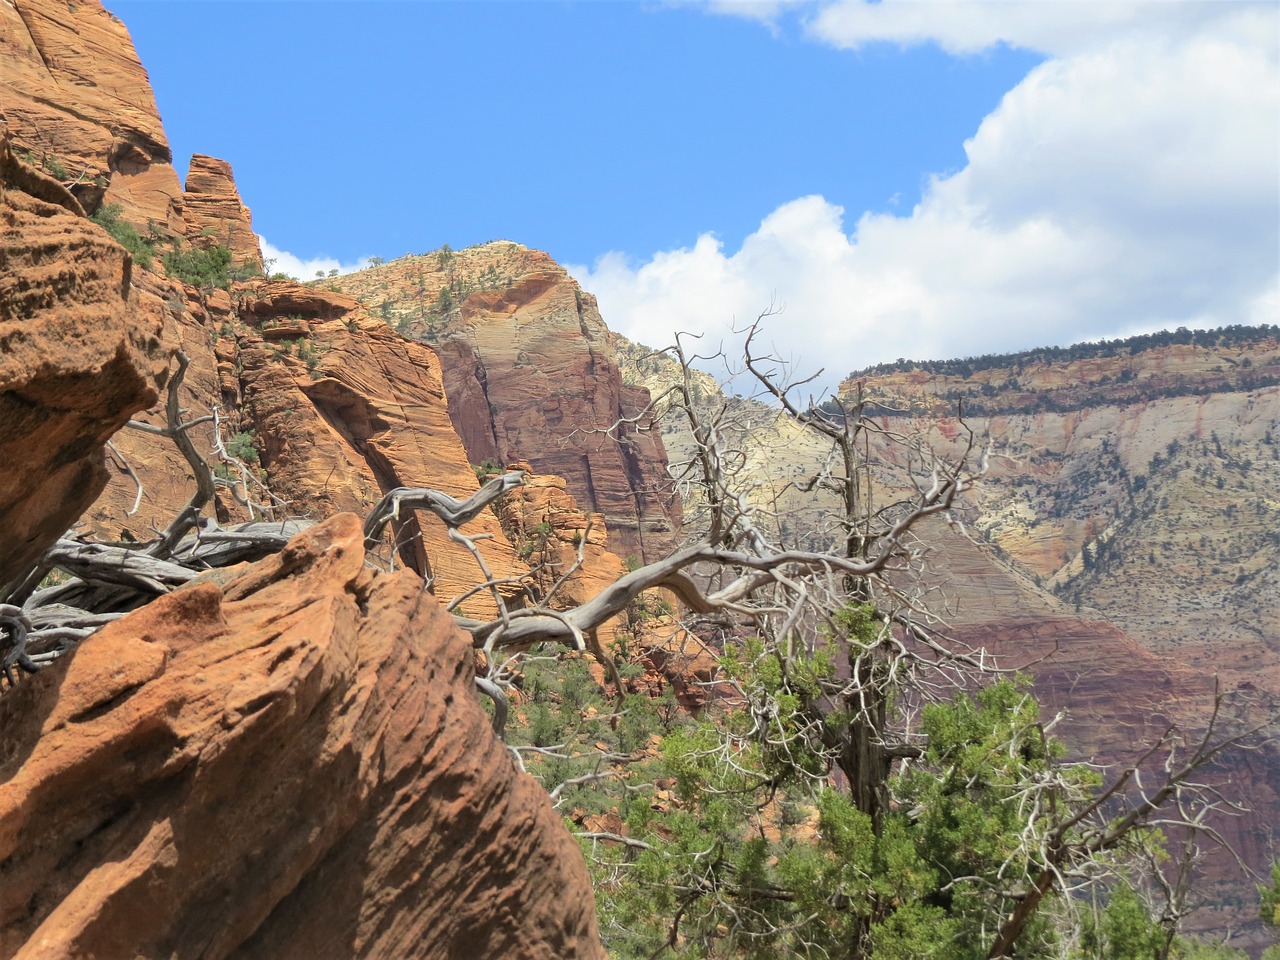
x: 291, y: 765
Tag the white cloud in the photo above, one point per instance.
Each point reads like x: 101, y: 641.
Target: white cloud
x: 1131, y: 184
x: 1059, y: 27
x: 304, y: 269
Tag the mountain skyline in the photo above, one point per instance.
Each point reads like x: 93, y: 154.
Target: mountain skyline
x: 905, y: 180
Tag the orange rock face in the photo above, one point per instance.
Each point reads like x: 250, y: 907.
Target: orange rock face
x: 79, y: 353
x: 343, y: 410
x: 550, y: 531
x: 292, y: 766
x: 531, y: 375
x: 214, y: 213
x: 78, y: 100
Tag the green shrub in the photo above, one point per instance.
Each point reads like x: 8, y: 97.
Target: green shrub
x: 486, y: 469
x: 200, y: 268
x: 56, y: 168
x: 108, y: 217
x: 243, y: 446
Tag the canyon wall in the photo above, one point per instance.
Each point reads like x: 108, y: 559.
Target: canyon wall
x: 531, y: 374
x: 77, y: 101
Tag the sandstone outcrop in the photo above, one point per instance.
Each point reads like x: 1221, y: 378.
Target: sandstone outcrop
x: 287, y: 762
x: 531, y: 375
x: 214, y: 213
x: 550, y: 532
x: 342, y: 409
x: 79, y: 353
x: 329, y: 407
x: 77, y: 99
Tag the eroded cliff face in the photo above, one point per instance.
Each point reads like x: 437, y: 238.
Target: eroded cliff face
x: 531, y: 375
x: 79, y: 353
x: 284, y: 761
x: 328, y: 408
x: 214, y: 214
x: 1162, y: 462
x: 1141, y: 485
x: 77, y: 99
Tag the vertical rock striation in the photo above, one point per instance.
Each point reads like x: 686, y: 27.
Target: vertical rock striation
x: 531, y: 375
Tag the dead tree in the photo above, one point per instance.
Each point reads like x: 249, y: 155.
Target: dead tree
x: 736, y: 572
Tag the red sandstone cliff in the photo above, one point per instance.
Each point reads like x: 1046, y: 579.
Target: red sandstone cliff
x: 531, y: 375
x: 76, y: 97
x: 79, y: 353
x: 285, y: 763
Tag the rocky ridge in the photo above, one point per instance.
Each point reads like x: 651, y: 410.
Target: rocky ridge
x: 1148, y: 473
x: 1121, y: 547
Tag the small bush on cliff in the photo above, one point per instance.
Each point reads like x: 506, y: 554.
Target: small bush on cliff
x: 200, y: 268
x: 244, y: 447
x: 108, y: 217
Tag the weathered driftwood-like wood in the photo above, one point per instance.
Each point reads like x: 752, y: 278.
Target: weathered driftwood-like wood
x: 452, y: 511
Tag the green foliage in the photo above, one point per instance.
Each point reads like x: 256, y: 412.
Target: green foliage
x: 1269, y: 907
x: 309, y: 354
x: 245, y: 271
x: 244, y: 447
x: 486, y: 469
x: 535, y: 540
x: 56, y: 168
x: 125, y: 234
x: 751, y: 850
x: 1124, y: 931
x: 200, y: 267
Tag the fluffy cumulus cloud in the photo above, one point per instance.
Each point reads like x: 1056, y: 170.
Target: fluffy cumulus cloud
x: 1128, y: 183
x: 282, y: 261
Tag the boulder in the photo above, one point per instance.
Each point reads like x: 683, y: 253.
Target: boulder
x: 291, y: 765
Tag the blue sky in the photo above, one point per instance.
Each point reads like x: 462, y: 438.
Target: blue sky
x: 904, y: 178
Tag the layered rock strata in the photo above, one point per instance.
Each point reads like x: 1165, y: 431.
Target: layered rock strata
x: 79, y: 353
x: 531, y: 375
x: 284, y: 762
x: 1151, y: 514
